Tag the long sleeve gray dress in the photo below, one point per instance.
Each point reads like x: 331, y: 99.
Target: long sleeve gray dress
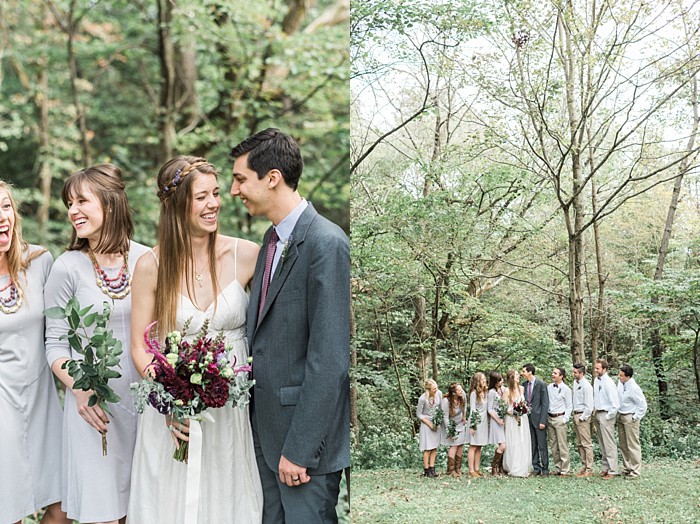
x: 428, y: 438
x: 30, y: 440
x: 481, y: 435
x: 94, y: 488
x: 497, y: 433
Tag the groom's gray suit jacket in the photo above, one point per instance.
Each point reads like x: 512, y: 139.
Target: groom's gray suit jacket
x: 301, y: 349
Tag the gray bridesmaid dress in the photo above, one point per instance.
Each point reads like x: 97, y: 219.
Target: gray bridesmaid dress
x: 481, y: 435
x: 497, y: 433
x: 30, y: 441
x: 94, y: 488
x: 428, y: 438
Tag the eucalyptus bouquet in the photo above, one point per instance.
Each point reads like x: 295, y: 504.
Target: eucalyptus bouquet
x: 188, y: 377
x: 100, y: 351
x: 453, y: 430
x: 501, y: 408
x: 474, y: 420
x: 438, y: 416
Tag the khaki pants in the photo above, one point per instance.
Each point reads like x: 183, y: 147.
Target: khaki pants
x: 584, y: 442
x: 606, y: 440
x: 558, y: 443
x: 628, y: 433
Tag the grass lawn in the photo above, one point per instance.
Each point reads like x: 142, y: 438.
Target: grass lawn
x: 666, y: 492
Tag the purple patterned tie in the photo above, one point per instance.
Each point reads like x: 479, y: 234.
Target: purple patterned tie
x: 269, y: 257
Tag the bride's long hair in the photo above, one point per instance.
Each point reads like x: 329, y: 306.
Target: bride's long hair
x: 513, y: 386
x: 174, y: 243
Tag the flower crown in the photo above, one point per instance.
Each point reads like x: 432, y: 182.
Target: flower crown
x: 179, y: 175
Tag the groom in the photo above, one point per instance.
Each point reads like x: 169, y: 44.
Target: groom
x: 298, y: 335
x: 538, y: 400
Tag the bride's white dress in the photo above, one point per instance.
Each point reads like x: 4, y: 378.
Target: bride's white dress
x: 230, y: 490
x: 517, y: 459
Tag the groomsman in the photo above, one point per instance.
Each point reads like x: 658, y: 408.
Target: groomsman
x: 607, y: 404
x: 583, y: 409
x: 538, y: 400
x: 560, y: 406
x: 633, y: 406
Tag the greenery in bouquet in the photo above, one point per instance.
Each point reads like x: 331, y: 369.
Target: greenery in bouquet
x: 501, y: 408
x: 474, y: 420
x: 452, y: 430
x: 438, y: 416
x: 187, y: 377
x: 100, y: 352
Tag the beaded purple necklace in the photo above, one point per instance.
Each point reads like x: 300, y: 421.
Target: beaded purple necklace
x: 13, y: 301
x: 117, y: 287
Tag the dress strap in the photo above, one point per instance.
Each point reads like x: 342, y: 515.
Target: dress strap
x: 155, y: 257
x: 235, y: 260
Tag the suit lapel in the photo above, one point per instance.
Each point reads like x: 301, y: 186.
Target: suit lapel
x: 255, y: 288
x: 284, y: 266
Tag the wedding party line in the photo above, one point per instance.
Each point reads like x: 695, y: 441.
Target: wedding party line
x: 190, y: 369
x: 525, y: 421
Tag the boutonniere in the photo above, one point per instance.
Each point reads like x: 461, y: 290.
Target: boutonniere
x: 285, y: 251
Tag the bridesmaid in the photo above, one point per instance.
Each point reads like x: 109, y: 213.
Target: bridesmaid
x: 428, y: 404
x: 30, y: 442
x: 479, y: 436
x: 497, y: 432
x: 96, y: 268
x: 454, y: 405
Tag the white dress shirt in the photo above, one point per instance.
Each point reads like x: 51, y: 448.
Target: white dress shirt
x: 583, y: 398
x: 560, y: 399
x: 605, y: 396
x: 284, y: 233
x: 631, y: 399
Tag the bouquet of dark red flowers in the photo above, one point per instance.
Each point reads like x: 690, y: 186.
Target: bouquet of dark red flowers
x: 520, y: 408
x: 187, y: 377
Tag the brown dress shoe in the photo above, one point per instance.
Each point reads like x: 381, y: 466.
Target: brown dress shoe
x: 607, y: 476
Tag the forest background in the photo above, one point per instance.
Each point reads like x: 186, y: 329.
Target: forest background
x: 524, y: 189
x: 135, y: 83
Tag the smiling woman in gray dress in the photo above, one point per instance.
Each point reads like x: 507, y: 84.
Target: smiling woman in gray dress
x: 96, y: 268
x: 454, y: 407
x: 497, y: 432
x: 478, y: 423
x: 428, y: 406
x: 30, y: 442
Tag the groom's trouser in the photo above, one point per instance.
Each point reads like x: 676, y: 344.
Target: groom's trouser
x: 606, y: 440
x: 628, y: 433
x: 558, y: 439
x: 540, y: 458
x: 312, y: 503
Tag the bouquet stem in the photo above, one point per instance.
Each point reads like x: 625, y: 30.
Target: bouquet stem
x: 104, y: 444
x: 181, y: 452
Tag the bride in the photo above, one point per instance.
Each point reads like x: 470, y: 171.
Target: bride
x: 518, y: 455
x: 193, y: 274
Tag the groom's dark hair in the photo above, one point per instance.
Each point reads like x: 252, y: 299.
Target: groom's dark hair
x: 530, y: 368
x: 272, y: 149
x: 581, y: 367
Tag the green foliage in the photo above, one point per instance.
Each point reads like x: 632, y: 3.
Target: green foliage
x: 99, y: 348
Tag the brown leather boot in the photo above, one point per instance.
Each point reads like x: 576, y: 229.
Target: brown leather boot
x: 458, y: 466
x: 497, y: 464
x: 451, y: 466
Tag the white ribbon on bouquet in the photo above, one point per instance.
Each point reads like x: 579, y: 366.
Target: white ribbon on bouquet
x: 194, y: 467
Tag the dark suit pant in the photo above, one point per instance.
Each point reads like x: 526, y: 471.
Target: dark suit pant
x: 312, y: 503
x: 540, y: 457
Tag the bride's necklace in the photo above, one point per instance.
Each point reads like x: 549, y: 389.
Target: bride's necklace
x: 117, y: 287
x: 13, y: 301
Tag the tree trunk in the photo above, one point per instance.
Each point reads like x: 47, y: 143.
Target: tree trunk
x: 166, y: 55
x: 43, y: 167
x: 657, y: 345
x: 73, y: 68
x: 354, y: 418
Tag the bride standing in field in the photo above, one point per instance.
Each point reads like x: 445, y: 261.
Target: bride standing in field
x: 518, y: 455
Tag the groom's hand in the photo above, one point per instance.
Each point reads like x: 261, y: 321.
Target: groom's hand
x: 542, y: 426
x: 291, y: 474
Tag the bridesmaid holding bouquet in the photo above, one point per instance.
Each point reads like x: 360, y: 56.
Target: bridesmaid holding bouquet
x: 431, y: 421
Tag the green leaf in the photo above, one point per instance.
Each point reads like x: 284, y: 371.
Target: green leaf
x: 93, y: 400
x: 90, y: 319
x: 55, y: 313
